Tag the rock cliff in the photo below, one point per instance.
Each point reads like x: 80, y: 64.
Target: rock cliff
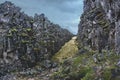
x: 99, y: 26
x: 28, y: 39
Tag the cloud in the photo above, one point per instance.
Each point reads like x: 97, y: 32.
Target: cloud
x: 66, y: 13
x: 69, y: 6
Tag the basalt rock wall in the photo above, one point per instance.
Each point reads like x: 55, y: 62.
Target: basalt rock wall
x: 28, y: 39
x: 99, y: 27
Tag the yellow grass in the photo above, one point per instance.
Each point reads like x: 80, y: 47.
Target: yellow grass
x: 67, y: 51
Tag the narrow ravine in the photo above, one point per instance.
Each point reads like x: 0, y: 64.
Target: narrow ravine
x: 66, y: 52
x: 35, y: 48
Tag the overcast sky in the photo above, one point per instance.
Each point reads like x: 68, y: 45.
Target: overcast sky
x: 66, y: 13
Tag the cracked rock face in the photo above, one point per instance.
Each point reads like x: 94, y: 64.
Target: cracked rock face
x: 28, y: 39
x: 99, y: 27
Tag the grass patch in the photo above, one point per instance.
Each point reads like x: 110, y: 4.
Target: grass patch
x: 67, y: 51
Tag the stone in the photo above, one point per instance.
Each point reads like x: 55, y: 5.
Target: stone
x: 54, y: 64
x: 47, y: 64
x: 118, y: 63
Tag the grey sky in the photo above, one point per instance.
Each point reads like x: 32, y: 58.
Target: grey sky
x: 66, y: 13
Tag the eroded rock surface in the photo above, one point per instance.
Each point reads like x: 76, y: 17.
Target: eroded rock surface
x: 99, y: 27
x: 27, y: 39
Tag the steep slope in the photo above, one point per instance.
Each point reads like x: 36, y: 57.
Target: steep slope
x: 67, y: 51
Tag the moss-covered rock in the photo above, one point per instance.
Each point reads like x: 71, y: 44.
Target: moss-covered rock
x: 84, y: 66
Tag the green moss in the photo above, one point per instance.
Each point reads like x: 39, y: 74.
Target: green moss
x: 24, y: 41
x: 78, y: 60
x: 24, y: 35
x: 92, y: 10
x: 28, y: 29
x: 58, y: 74
x: 36, y: 49
x: 99, y: 15
x: 32, y: 21
x: 106, y: 25
x: 107, y: 74
x: 102, y: 22
x: 89, y: 76
x: 14, y: 30
x: 9, y: 35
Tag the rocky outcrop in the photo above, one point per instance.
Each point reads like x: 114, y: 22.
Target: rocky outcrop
x: 99, y: 27
x: 28, y: 39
